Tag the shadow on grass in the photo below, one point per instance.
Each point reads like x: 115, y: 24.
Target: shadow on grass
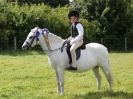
x: 105, y: 94
x: 130, y: 51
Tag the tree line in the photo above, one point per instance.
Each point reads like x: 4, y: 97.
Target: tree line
x: 52, y: 3
x: 101, y: 19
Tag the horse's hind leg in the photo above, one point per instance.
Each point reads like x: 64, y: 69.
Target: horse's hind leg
x: 98, y: 77
x: 108, y: 74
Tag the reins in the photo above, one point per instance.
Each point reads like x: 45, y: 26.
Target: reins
x: 44, y: 33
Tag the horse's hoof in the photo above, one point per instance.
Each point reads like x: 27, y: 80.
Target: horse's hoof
x: 62, y: 93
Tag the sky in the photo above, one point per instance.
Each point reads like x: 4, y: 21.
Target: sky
x: 71, y: 0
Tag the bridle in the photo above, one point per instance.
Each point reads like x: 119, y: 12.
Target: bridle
x: 34, y: 37
x: 44, y: 32
x: 29, y: 44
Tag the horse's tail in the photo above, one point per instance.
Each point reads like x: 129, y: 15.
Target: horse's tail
x: 107, y: 68
x: 108, y: 73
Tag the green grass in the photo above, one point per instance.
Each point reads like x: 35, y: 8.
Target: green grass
x: 27, y: 75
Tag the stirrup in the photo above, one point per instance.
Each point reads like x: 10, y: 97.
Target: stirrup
x: 71, y: 68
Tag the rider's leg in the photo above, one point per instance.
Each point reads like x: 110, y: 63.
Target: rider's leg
x: 73, y: 54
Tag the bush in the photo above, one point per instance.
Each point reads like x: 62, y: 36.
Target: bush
x: 20, y: 19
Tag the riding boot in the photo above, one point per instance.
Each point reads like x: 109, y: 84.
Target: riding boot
x: 71, y: 68
x: 73, y: 65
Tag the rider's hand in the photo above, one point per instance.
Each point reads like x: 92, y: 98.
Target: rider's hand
x: 72, y: 42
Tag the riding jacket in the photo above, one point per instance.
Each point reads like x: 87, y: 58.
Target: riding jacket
x: 77, y: 32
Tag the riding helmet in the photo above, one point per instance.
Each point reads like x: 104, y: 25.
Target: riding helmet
x: 73, y: 13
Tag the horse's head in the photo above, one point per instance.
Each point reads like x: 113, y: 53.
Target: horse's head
x: 32, y: 39
x: 47, y: 40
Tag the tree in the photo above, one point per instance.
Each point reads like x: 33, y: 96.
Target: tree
x: 111, y: 15
x: 92, y: 10
x: 52, y: 3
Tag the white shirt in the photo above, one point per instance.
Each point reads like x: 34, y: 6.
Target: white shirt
x: 80, y: 36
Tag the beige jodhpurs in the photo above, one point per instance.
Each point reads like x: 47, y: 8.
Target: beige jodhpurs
x: 72, y: 50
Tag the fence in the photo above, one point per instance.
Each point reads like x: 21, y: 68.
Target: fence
x: 117, y: 44
x: 113, y: 44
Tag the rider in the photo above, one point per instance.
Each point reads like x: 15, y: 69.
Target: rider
x: 76, y: 38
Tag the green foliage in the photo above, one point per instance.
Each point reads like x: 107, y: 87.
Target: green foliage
x: 3, y: 26
x: 100, y: 18
x: 111, y: 18
x: 91, y: 30
x: 111, y: 15
x: 92, y: 10
x: 43, y: 16
x: 130, y: 30
x: 20, y: 19
x: 58, y: 21
x: 52, y: 3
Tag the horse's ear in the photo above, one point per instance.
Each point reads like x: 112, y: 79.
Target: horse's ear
x: 45, y: 31
x: 34, y: 29
x: 31, y: 30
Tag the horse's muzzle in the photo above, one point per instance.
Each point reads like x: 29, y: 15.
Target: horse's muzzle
x: 25, y: 47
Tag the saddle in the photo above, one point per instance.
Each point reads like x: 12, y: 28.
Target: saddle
x: 77, y: 51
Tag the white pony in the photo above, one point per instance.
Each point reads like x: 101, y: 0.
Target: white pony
x: 94, y: 56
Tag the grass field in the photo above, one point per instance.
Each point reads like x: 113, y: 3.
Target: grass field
x: 27, y: 75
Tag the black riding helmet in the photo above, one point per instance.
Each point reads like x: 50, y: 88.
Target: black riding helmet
x: 73, y: 13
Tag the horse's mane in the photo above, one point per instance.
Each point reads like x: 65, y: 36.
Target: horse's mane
x: 55, y: 38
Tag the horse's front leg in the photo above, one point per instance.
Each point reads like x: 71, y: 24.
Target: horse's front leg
x: 60, y: 81
x: 58, y: 84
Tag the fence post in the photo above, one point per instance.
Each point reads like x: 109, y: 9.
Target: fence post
x: 101, y: 40
x: 0, y: 45
x: 125, y: 43
x: 15, y: 44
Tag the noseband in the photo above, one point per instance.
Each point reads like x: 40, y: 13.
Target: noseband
x: 35, y: 37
